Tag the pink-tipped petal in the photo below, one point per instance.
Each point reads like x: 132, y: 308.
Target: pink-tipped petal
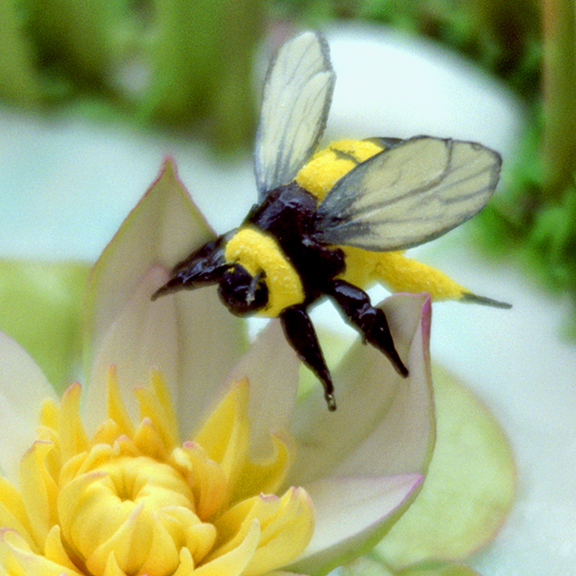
x: 192, y: 330
x: 141, y: 337
x: 470, y: 485
x: 384, y: 423
x: 23, y: 389
x: 162, y: 229
x: 351, y: 514
x: 403, y: 441
x: 211, y: 342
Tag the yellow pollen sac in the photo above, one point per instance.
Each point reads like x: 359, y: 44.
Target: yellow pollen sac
x: 259, y: 252
x: 399, y: 274
x: 133, y: 500
x: 363, y: 267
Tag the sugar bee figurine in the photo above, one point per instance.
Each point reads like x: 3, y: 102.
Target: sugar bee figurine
x: 332, y: 222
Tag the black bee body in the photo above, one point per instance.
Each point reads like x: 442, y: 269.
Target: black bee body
x: 289, y: 214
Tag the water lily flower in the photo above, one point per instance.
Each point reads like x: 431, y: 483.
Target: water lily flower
x: 185, y: 452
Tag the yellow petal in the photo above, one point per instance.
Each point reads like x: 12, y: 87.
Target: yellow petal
x: 49, y: 414
x: 225, y: 435
x: 160, y: 556
x: 13, y: 512
x: 198, y: 537
x: 186, y: 566
x: 73, y: 438
x: 124, y: 446
x: 54, y: 550
x: 204, y: 476
x: 86, y: 462
x: 285, y: 535
x: 112, y: 568
x: 267, y: 476
x: 233, y: 562
x: 39, y: 490
x: 163, y: 394
x: 236, y: 522
x: 107, y: 433
x: 17, y: 559
x: 75, y: 502
x: 155, y: 404
x: 286, y: 526
x: 115, y: 407
x: 149, y: 441
x: 127, y: 543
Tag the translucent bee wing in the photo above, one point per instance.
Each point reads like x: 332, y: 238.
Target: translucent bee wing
x: 295, y: 105
x: 405, y: 196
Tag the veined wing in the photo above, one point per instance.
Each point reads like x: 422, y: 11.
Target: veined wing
x: 412, y: 193
x: 295, y: 105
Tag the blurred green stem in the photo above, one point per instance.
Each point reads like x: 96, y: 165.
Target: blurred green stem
x: 559, y: 77
x: 233, y: 101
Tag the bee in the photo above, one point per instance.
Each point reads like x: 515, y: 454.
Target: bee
x: 330, y: 223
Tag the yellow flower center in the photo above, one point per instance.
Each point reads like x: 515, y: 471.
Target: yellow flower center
x: 132, y: 500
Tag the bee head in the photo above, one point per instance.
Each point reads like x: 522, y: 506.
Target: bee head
x: 241, y: 292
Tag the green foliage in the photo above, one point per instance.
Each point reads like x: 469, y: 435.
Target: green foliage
x: 41, y: 308
x: 18, y: 82
x: 538, y: 229
x: 503, y: 37
x: 171, y: 63
x: 533, y: 213
x: 183, y: 64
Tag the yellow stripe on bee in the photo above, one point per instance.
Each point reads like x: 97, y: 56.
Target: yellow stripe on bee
x: 363, y: 267
x: 399, y: 274
x: 260, y: 252
x: 327, y: 166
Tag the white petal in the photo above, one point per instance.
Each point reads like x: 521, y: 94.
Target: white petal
x: 211, y: 340
x: 162, y: 229
x: 349, y: 512
x: 142, y: 336
x: 384, y: 423
x: 190, y: 336
x: 23, y: 388
x: 272, y: 368
x: 404, y: 440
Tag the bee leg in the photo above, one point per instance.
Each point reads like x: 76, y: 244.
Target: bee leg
x: 371, y: 321
x: 301, y: 335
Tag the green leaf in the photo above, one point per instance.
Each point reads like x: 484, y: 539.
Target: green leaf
x: 438, y: 569
x: 365, y: 566
x: 370, y: 566
x: 41, y: 307
x: 469, y: 488
x: 18, y: 80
